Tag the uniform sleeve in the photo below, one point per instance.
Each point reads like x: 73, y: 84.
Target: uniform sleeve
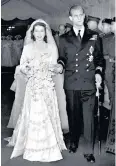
x: 62, y: 55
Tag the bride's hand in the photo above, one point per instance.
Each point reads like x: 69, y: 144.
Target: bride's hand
x: 25, y: 68
x: 56, y: 68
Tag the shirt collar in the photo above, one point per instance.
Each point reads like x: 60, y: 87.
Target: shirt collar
x: 77, y: 30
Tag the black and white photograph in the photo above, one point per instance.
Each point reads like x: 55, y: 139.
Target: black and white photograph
x: 58, y: 82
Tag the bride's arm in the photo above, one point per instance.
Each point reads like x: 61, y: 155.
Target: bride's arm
x: 57, y: 68
x: 54, y: 53
x: 25, y: 59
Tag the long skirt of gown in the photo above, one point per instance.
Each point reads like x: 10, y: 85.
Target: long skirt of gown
x: 19, y: 86
x: 59, y: 81
x: 38, y: 135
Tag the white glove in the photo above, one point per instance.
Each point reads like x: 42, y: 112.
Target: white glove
x: 98, y: 80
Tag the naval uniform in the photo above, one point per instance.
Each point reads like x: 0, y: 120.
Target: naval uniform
x: 81, y: 60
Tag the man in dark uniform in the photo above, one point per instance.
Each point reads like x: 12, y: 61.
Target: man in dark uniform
x: 80, y: 55
x: 108, y: 44
x: 93, y: 23
x: 61, y: 31
x: 109, y: 55
x: 106, y: 26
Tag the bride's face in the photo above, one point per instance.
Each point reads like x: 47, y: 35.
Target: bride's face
x: 39, y: 33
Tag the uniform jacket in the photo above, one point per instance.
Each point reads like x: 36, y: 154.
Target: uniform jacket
x: 80, y: 59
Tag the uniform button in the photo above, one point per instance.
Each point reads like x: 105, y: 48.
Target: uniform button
x: 76, y: 54
x: 76, y: 59
x: 76, y: 70
x: 87, y: 64
x: 77, y: 65
x: 87, y: 70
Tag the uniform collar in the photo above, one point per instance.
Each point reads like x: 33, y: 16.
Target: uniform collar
x: 72, y: 38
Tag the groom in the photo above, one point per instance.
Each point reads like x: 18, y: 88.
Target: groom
x: 81, y: 57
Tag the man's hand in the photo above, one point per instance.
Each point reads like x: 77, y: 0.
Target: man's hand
x: 98, y: 80
x: 57, y: 68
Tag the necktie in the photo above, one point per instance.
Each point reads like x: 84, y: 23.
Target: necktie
x: 79, y: 35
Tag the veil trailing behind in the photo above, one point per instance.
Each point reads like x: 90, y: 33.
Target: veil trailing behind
x: 38, y: 135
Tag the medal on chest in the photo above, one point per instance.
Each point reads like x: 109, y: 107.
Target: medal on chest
x: 91, y: 49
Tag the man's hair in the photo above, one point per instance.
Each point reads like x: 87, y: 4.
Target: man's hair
x: 75, y: 7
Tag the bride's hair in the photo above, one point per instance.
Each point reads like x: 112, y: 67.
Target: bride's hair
x: 32, y: 31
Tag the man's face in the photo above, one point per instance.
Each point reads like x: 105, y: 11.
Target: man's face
x: 62, y: 29
x: 113, y: 27
x: 106, y: 28
x: 92, y: 25
x: 77, y: 17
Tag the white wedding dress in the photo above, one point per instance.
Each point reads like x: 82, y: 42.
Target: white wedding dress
x: 38, y: 135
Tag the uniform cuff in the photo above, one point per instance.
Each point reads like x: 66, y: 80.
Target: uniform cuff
x: 61, y: 72
x: 98, y: 71
x: 62, y: 63
x: 99, y: 68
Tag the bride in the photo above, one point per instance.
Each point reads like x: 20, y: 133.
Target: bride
x: 38, y: 135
